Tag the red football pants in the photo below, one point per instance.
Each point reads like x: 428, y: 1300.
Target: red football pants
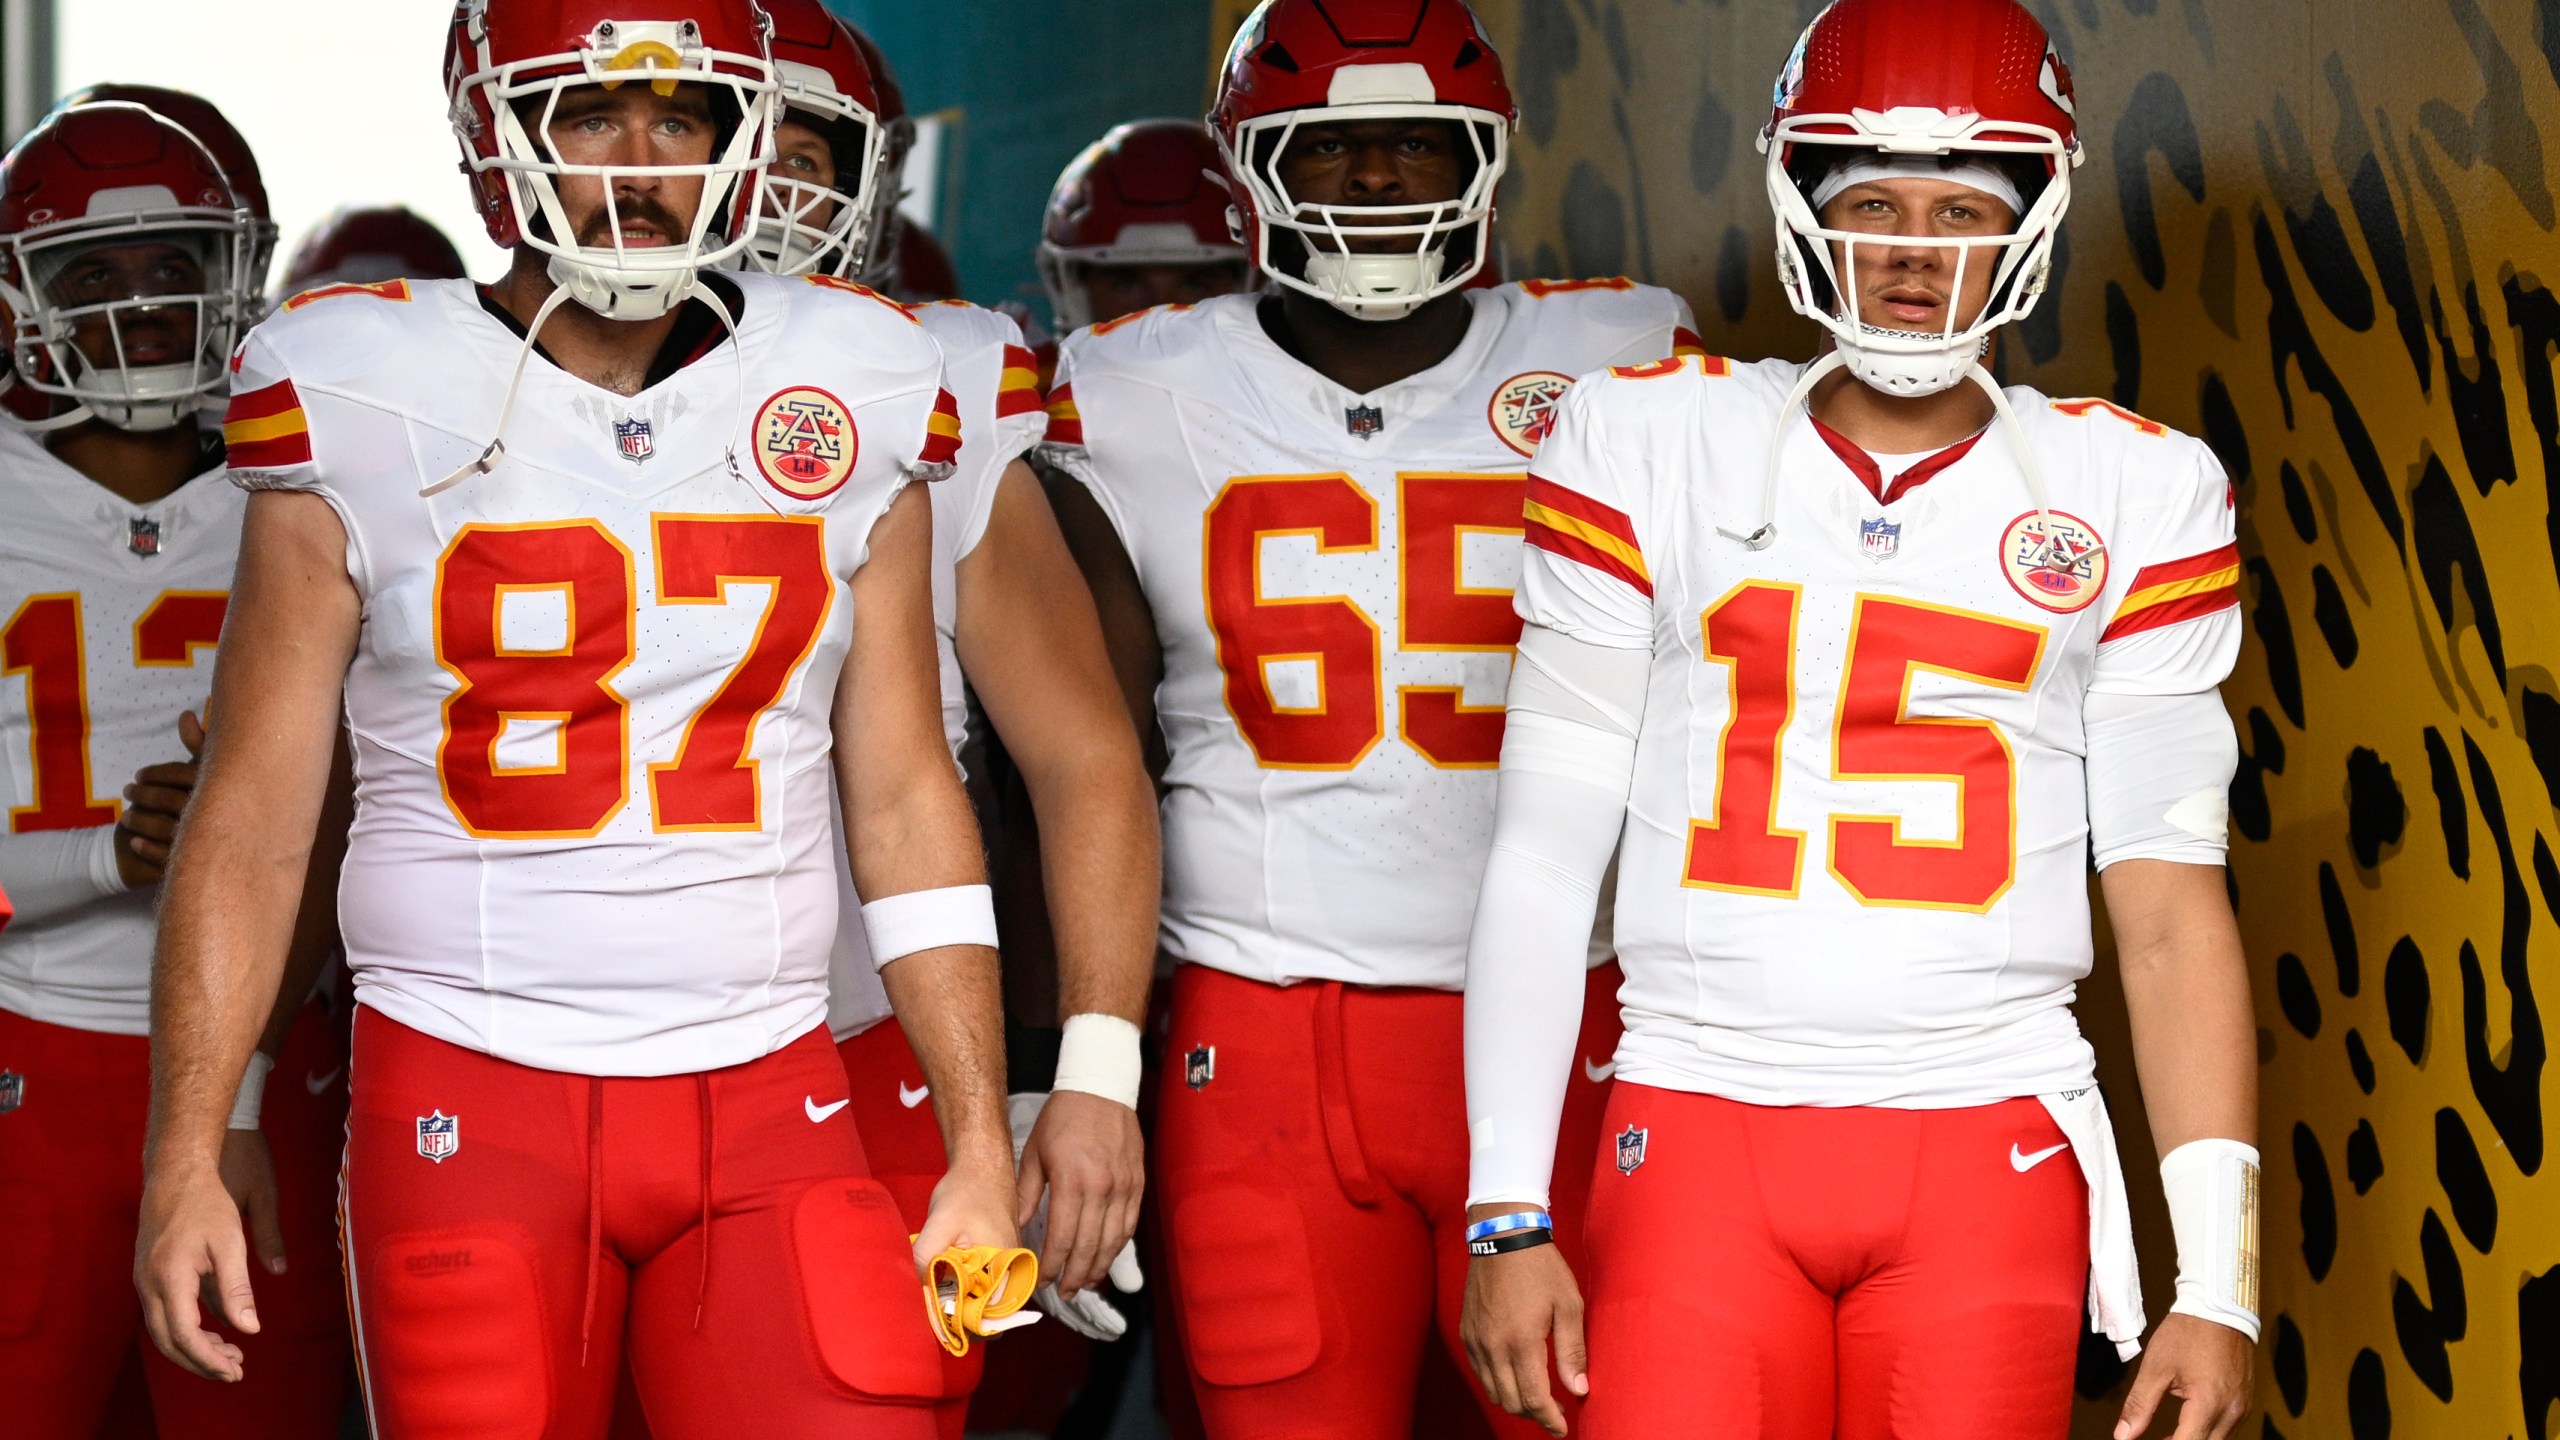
x: 1764, y: 1273
x: 1314, y: 1191
x: 723, y: 1224
x: 70, y: 1192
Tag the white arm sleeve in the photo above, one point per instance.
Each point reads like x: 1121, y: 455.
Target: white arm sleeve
x: 1568, y: 756
x: 47, y: 872
x: 2160, y: 770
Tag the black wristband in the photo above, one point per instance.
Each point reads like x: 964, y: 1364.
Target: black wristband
x: 1509, y: 1241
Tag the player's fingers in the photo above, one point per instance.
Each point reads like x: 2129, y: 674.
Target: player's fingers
x: 172, y: 1296
x: 1030, y: 1178
x: 2149, y: 1384
x: 149, y: 821
x: 1573, y: 1360
x: 178, y: 775
x: 1075, y: 1233
x: 234, y: 1301
x: 153, y: 853
x: 266, y: 1232
x: 191, y: 730
x: 1529, y: 1373
x: 2209, y: 1412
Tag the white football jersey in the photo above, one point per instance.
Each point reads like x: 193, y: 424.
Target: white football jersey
x: 112, y: 610
x: 1331, y: 577
x: 994, y: 379
x: 591, y: 699
x: 1856, y: 858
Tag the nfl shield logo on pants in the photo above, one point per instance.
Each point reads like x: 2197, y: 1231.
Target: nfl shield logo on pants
x: 1630, y: 1149
x: 633, y: 436
x: 1879, y: 538
x: 13, y: 1090
x: 439, y: 1135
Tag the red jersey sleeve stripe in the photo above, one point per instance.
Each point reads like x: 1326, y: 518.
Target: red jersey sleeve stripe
x: 1569, y: 545
x: 1686, y: 342
x: 2170, y: 612
x: 265, y: 429
x: 1018, y: 389
x: 1548, y: 495
x: 1066, y: 425
x: 942, y: 432
x: 2226, y: 557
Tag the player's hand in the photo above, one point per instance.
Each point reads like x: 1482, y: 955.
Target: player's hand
x: 973, y: 1205
x: 1514, y: 1303
x: 2205, y: 1365
x: 190, y: 1250
x: 1087, y: 1153
x: 249, y: 1173
x: 149, y: 825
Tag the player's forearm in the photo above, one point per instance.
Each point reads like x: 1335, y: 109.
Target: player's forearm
x: 2186, y: 989
x: 950, y: 1006
x: 1100, y: 866
x: 315, y: 921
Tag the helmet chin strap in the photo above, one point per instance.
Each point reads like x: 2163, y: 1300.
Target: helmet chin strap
x: 1764, y: 533
x: 144, y: 407
x: 618, y: 294
x: 1374, y: 287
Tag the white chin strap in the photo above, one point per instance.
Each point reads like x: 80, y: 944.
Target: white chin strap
x: 155, y: 396
x: 1375, y: 287
x: 619, y: 294
x: 1905, y: 372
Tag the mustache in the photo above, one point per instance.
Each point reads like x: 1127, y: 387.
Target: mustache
x: 599, y: 228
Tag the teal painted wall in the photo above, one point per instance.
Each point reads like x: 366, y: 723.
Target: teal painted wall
x: 1031, y: 84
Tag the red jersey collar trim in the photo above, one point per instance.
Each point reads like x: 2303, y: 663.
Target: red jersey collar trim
x: 1863, y: 465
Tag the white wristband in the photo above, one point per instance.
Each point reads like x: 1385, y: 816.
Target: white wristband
x: 2213, y: 1211
x: 901, y: 925
x: 1098, y: 1054
x: 253, y: 1092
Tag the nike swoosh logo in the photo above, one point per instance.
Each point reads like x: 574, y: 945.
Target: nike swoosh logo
x: 818, y: 1113
x: 912, y: 1098
x: 2024, y: 1163
x: 317, y: 1083
x: 1597, y: 1074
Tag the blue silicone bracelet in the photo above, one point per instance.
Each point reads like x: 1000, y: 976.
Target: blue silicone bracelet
x: 1505, y: 1224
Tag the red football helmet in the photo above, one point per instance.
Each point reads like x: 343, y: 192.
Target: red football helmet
x: 198, y: 117
x: 877, y: 265
x: 920, y: 269
x: 1149, y: 193
x: 359, y: 245
x: 802, y: 227
x: 1298, y: 62
x: 506, y: 54
x: 124, y: 258
x: 1912, y: 87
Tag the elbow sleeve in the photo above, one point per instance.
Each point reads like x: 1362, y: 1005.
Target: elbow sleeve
x: 2159, y: 773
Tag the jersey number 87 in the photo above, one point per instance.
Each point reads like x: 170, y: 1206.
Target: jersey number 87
x: 711, y: 784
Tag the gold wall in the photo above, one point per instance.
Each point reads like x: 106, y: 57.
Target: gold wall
x: 2320, y: 233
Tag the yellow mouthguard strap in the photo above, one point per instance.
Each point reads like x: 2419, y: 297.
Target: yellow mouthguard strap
x: 976, y: 1290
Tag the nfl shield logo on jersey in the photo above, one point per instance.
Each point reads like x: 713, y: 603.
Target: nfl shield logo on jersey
x: 1364, y: 420
x: 13, y: 1090
x: 1630, y: 1149
x: 142, y: 537
x: 633, y: 436
x: 439, y: 1135
x: 1200, y: 1066
x: 1879, y: 538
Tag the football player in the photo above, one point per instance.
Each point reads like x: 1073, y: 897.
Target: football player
x: 581, y: 553
x: 902, y: 259
x: 125, y: 260
x: 1862, y: 657
x: 364, y: 245
x: 1137, y: 220
x: 201, y: 118
x: 1300, y: 513
x: 1011, y: 615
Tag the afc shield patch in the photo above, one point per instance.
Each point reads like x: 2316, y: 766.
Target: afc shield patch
x: 1523, y: 409
x: 634, y: 440
x: 2063, y: 572
x: 142, y: 537
x: 1364, y: 420
x: 1879, y: 539
x: 1630, y: 1149
x: 805, y: 443
x: 13, y: 1090
x: 1200, y: 1066
x: 439, y: 1136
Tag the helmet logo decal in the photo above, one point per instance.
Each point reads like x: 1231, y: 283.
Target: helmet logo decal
x: 2055, y: 81
x: 1523, y: 409
x: 2063, y: 573
x: 805, y: 443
